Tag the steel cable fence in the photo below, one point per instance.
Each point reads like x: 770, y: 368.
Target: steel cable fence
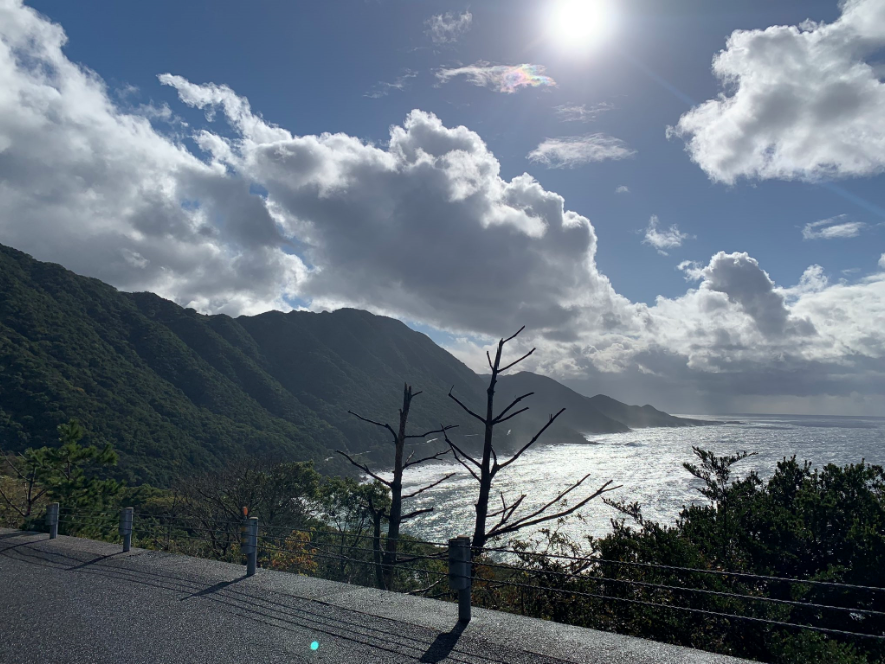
x: 543, y: 580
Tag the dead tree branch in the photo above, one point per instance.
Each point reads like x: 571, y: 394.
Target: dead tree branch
x: 429, y: 486
x: 410, y: 515
x: 513, y: 364
x: 498, y: 419
x: 529, y: 520
x: 457, y: 401
x: 383, y: 425
x: 430, y: 433
x: 432, y: 457
x: 362, y: 467
x: 485, y: 469
x: 532, y: 441
x: 395, y: 516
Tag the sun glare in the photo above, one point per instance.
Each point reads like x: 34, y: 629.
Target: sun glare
x: 581, y: 24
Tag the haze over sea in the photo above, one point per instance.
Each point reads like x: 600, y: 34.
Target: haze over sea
x: 647, y: 462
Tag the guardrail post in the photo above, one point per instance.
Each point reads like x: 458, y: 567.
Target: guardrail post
x: 52, y: 519
x: 249, y: 543
x: 126, y: 517
x: 459, y: 574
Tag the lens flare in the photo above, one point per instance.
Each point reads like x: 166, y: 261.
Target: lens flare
x: 581, y: 24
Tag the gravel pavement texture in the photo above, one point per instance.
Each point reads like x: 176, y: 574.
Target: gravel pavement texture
x: 73, y: 600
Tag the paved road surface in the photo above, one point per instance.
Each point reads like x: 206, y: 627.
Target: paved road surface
x: 78, y: 601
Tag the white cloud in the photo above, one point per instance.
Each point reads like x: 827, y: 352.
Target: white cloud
x: 502, y: 78
x: 161, y: 113
x: 834, y: 227
x: 800, y: 102
x: 813, y: 280
x: 134, y: 258
x: 434, y: 193
x: 573, y: 151
x: 447, y: 28
x: 210, y: 98
x: 623, y: 189
x: 882, y: 261
x: 580, y: 113
x: 93, y: 187
x: 744, y: 283
x: 424, y: 228
x: 383, y: 88
x: 736, y: 339
x: 669, y: 238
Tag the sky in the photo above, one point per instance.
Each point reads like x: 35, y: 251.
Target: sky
x: 682, y: 201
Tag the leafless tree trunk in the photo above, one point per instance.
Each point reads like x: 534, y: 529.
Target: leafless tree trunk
x: 485, y: 469
x: 377, y: 515
x: 395, y: 517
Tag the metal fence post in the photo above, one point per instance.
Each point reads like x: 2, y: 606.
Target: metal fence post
x: 459, y: 574
x: 249, y: 543
x: 126, y: 517
x: 52, y: 519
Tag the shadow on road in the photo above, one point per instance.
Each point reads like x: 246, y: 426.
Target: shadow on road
x: 443, y: 645
x: 221, y: 585
x: 274, y: 609
x: 93, y: 561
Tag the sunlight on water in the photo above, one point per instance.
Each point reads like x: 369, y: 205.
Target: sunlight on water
x: 647, y: 462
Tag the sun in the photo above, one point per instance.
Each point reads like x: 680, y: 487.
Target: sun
x: 581, y: 24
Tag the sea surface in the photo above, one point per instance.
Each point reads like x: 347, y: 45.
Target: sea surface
x: 647, y: 463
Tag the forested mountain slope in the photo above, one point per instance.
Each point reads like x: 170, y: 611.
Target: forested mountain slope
x: 178, y: 392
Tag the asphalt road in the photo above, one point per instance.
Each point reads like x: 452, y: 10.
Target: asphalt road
x: 78, y: 601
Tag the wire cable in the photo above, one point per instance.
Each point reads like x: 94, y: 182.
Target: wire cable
x: 693, y: 610
x: 716, y: 593
x: 829, y: 584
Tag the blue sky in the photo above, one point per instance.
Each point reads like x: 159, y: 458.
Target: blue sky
x: 358, y: 68
x: 308, y: 66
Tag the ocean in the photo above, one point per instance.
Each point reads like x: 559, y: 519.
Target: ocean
x: 647, y: 463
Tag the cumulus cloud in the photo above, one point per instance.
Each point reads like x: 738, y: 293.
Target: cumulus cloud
x: 834, y: 227
x: 423, y: 228
x: 744, y: 283
x: 210, y: 98
x: 571, y: 151
x: 502, y: 78
x: 813, y: 280
x: 434, y: 200
x: 882, y: 261
x: 581, y: 113
x: 447, y: 28
x: 733, y: 338
x: 623, y: 189
x: 661, y: 240
x: 99, y: 190
x: 383, y: 88
x: 799, y: 102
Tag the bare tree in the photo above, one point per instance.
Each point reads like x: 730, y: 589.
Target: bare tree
x: 485, y: 470
x: 378, y: 513
x: 395, y: 516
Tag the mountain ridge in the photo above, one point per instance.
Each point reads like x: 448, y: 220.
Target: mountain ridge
x: 587, y: 415
x: 179, y: 392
